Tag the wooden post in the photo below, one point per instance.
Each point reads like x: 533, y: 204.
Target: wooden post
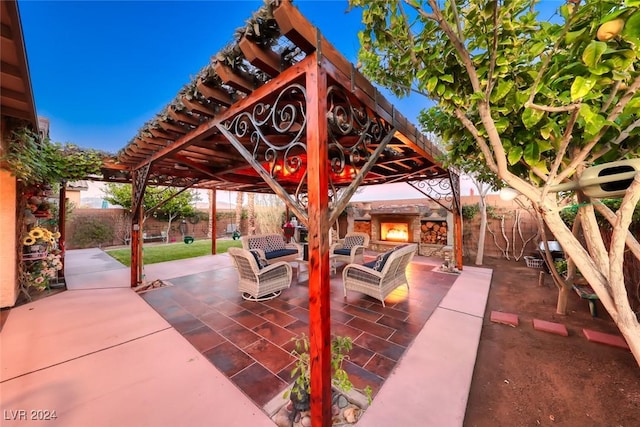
x: 136, y: 243
x: 62, y: 224
x: 457, y: 235
x: 319, y: 275
x: 213, y: 209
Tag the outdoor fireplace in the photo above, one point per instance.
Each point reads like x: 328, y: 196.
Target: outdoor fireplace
x: 394, y: 231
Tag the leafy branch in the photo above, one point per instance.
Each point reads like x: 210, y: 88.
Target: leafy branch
x: 36, y: 161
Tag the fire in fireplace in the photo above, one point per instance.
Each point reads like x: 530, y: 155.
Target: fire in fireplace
x: 394, y: 231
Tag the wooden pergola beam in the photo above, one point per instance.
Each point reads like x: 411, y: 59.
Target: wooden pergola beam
x: 233, y: 79
x: 182, y: 117
x: 195, y: 165
x: 172, y: 127
x: 218, y: 95
x: 197, y: 107
x: 264, y: 59
x: 208, y: 128
x: 160, y: 134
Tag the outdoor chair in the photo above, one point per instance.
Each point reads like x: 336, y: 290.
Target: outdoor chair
x: 351, y: 248
x: 257, y: 280
x: 380, y: 277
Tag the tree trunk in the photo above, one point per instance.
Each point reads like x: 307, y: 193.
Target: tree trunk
x: 239, y: 198
x: 483, y: 230
x: 563, y: 298
x: 251, y: 203
x: 612, y: 294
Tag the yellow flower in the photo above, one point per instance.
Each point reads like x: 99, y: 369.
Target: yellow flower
x: 28, y: 241
x: 52, y: 241
x: 36, y: 233
x: 56, y: 235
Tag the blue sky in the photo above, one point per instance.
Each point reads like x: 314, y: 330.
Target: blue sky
x: 101, y: 69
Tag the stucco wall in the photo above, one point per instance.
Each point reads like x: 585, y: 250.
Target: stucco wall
x: 8, y: 256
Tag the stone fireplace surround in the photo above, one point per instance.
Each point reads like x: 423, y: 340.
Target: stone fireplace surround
x: 368, y: 220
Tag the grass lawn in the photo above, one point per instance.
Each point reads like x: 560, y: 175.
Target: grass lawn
x: 173, y: 251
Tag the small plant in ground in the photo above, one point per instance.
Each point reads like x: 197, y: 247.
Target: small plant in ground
x: 301, y: 389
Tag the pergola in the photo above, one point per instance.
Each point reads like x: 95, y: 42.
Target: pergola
x: 282, y: 111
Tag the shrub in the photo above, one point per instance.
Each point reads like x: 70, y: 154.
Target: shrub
x: 91, y: 232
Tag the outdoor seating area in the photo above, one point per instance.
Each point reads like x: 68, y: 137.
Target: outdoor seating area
x: 250, y: 341
x: 228, y: 354
x: 351, y: 248
x: 272, y: 247
x: 383, y: 275
x: 258, y: 281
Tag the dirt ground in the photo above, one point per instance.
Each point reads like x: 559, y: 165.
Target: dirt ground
x: 525, y: 377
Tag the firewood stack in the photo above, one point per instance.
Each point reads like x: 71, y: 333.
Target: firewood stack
x: 434, y: 232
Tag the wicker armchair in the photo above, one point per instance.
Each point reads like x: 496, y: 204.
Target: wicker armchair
x: 259, y: 283
x: 379, y: 284
x: 351, y: 248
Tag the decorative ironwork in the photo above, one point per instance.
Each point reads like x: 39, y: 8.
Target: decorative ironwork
x: 140, y: 177
x: 438, y: 189
x: 352, y: 132
x: 272, y: 137
x: 281, y: 158
x: 455, y: 188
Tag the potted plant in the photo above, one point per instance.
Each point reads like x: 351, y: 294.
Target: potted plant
x: 300, y: 391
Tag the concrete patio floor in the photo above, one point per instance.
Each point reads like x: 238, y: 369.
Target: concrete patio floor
x: 98, y: 354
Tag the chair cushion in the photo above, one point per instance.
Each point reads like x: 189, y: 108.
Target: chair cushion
x: 258, y: 243
x: 381, y: 260
x: 370, y: 264
x: 262, y: 263
x: 342, y: 251
x: 279, y: 253
x: 275, y: 242
x: 351, y: 241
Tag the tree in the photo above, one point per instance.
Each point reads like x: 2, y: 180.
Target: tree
x: 251, y: 207
x: 483, y: 179
x: 239, y: 198
x: 536, y: 101
x: 166, y: 202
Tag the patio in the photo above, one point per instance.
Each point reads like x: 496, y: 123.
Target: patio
x: 211, y: 355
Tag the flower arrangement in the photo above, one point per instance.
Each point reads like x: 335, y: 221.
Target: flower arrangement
x: 44, y: 259
x: 40, y: 272
x: 41, y: 236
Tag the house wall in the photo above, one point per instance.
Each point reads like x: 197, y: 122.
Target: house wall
x: 8, y: 244
x: 73, y: 196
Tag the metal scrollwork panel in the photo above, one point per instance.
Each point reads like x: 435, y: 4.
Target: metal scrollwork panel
x: 352, y: 132
x: 439, y: 190
x: 140, y: 177
x: 455, y: 187
x: 274, y: 133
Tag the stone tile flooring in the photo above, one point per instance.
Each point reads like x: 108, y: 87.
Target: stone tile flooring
x: 250, y: 342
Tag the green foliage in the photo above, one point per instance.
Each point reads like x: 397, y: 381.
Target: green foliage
x: 178, y: 206
x: 509, y: 87
x: 174, y: 251
x: 42, y: 162
x: 561, y: 266
x: 569, y: 213
x: 340, y: 347
x: 91, y: 232
x: 492, y: 212
x: 470, y: 211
